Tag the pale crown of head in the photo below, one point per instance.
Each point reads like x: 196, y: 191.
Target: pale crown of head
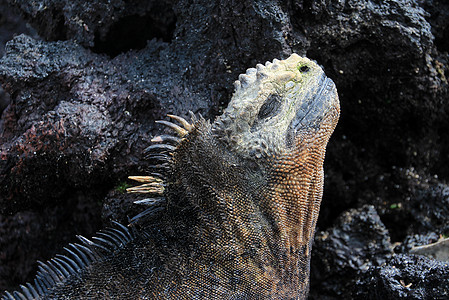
x: 266, y: 101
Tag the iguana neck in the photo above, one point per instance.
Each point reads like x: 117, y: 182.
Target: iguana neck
x: 256, y: 217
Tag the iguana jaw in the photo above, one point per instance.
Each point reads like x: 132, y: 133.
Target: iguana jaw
x: 322, y: 101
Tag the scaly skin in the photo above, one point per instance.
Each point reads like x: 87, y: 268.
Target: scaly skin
x: 237, y: 210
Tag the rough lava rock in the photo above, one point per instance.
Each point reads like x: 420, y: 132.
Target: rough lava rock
x: 405, y: 277
x: 91, y: 23
x: 356, y: 242
x: 67, y: 118
x: 10, y: 24
x: 430, y: 208
x: 84, y: 94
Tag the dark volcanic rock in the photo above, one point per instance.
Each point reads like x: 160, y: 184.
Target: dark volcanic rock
x: 29, y: 236
x: 357, y: 241
x: 430, y: 209
x: 405, y: 277
x: 416, y: 240
x: 97, y: 23
x: 10, y: 24
x: 68, y: 116
x: 82, y: 102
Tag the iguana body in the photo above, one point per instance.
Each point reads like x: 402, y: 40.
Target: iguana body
x: 236, y: 212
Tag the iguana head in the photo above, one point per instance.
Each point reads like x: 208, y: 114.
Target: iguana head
x: 274, y: 104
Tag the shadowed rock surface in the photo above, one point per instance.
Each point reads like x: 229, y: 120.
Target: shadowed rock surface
x: 357, y: 241
x: 405, y: 277
x: 10, y: 24
x: 85, y: 93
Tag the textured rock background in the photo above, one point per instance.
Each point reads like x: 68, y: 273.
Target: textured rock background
x: 83, y: 87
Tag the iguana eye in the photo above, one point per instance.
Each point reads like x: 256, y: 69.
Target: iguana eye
x: 304, y: 69
x: 270, y: 106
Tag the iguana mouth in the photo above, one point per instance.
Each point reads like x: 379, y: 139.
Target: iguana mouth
x: 318, y: 107
x: 314, y: 111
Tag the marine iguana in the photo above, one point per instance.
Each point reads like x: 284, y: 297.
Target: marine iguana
x: 234, y: 202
